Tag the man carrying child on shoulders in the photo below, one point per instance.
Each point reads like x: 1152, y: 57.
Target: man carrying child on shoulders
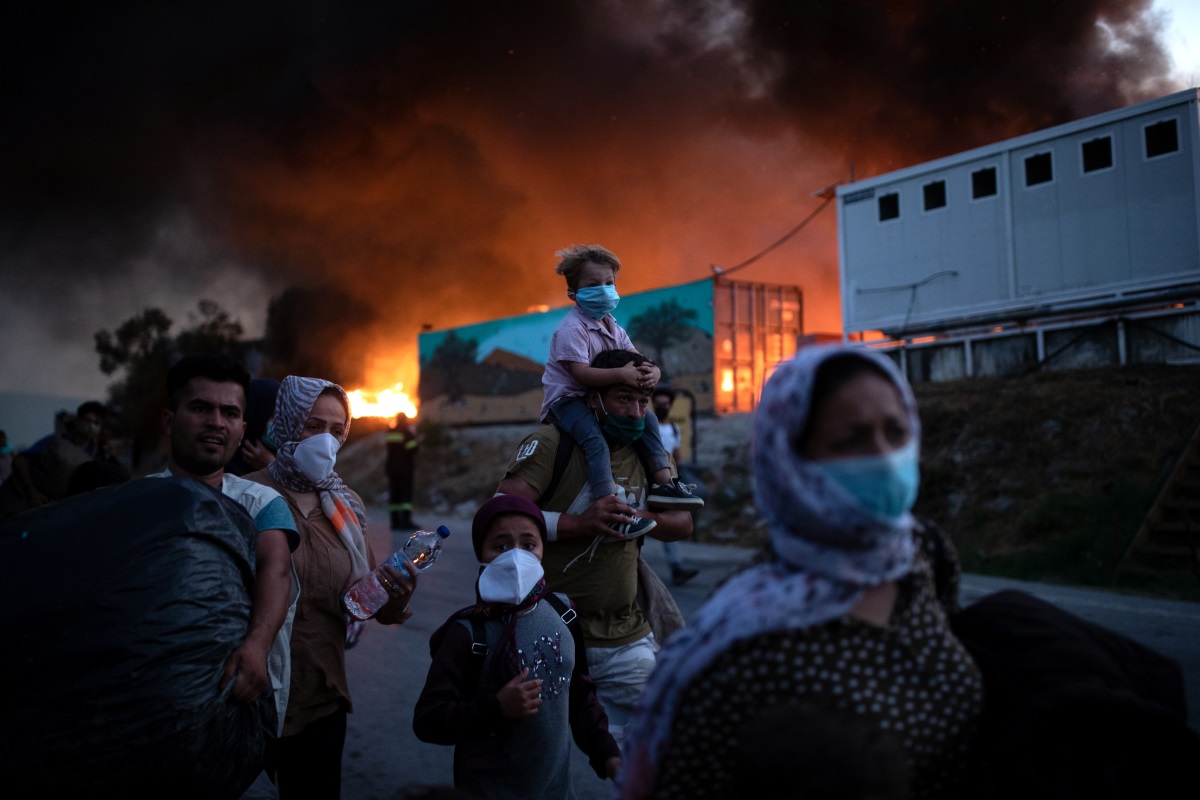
x: 587, y: 555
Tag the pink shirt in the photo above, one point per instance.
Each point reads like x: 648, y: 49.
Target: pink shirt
x: 578, y: 338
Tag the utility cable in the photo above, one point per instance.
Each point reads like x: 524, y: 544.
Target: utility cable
x: 912, y: 292
x: 829, y: 198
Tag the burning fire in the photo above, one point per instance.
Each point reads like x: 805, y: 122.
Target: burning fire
x: 385, y: 403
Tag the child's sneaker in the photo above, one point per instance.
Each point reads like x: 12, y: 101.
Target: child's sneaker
x: 674, y: 495
x: 639, y: 527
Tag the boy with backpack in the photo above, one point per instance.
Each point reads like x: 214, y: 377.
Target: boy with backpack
x: 509, y: 674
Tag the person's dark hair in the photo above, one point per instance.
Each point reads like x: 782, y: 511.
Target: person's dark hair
x: 611, y: 359
x: 503, y: 505
x: 221, y: 369
x: 92, y: 407
x: 832, y: 375
x: 664, y: 390
x: 818, y: 753
x: 260, y: 406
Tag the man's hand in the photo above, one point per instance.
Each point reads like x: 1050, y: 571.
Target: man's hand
x: 604, y: 513
x: 248, y: 665
x: 272, y: 587
x: 519, y: 697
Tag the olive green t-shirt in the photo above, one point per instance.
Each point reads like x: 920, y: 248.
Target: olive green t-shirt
x: 603, y: 585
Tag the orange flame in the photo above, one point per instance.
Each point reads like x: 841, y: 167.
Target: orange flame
x: 385, y: 403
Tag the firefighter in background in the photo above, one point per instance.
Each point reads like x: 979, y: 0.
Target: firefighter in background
x: 402, y: 445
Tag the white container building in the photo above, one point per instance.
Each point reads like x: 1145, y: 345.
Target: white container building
x: 1078, y: 245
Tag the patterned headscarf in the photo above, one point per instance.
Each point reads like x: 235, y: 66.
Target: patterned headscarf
x: 293, y: 404
x: 825, y: 551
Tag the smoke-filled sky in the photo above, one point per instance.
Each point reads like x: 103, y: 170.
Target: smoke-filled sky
x: 428, y: 158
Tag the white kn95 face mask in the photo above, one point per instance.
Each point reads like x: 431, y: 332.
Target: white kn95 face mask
x: 510, y: 577
x: 316, y: 456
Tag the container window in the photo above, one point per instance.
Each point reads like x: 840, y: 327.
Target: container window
x: 935, y: 195
x: 1161, y: 138
x: 1038, y: 169
x: 1097, y: 154
x: 983, y: 183
x: 889, y: 206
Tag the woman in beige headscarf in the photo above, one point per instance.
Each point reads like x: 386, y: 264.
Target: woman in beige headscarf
x: 312, y: 420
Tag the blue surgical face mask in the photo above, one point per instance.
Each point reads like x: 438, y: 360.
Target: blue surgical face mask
x: 597, y: 301
x: 885, y: 485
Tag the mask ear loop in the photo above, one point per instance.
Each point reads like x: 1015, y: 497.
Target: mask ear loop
x: 600, y: 400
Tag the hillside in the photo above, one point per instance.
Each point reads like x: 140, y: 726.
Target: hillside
x: 1044, y: 476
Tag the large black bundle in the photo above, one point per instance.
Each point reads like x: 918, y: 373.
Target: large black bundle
x: 1072, y: 710
x: 118, y: 610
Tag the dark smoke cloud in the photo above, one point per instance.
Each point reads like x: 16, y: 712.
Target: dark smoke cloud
x: 426, y: 159
x: 953, y: 75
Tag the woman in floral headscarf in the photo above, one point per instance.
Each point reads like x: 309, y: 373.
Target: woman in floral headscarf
x: 845, y: 612
x: 312, y: 420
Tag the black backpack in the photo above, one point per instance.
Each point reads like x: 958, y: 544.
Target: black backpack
x: 562, y: 456
x: 479, y: 645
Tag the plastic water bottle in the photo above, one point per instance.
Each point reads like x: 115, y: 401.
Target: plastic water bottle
x: 364, y: 599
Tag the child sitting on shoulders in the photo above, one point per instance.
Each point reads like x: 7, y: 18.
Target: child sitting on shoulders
x: 509, y: 674
x: 588, y: 328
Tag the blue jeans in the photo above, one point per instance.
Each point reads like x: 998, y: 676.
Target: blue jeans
x: 575, y: 417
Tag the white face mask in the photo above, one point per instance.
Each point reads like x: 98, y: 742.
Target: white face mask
x: 316, y: 456
x: 510, y: 577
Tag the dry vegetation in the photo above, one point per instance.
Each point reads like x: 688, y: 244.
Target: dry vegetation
x: 1044, y: 476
